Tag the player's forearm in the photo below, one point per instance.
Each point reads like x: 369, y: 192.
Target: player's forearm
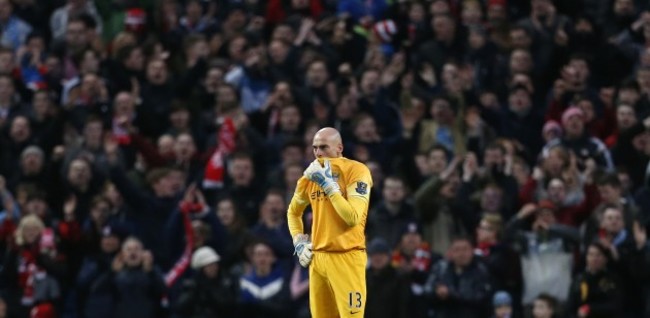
x: 294, y: 217
x: 351, y: 211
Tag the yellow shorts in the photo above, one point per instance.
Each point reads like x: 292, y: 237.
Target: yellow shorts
x: 337, y: 284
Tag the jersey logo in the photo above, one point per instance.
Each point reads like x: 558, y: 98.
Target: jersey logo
x: 362, y: 188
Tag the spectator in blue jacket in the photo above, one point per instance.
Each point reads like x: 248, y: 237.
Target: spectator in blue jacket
x: 264, y: 292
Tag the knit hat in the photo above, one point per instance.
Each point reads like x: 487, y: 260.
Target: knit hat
x: 135, y: 20
x: 204, y: 256
x: 492, y: 3
x: 570, y: 112
x: 501, y: 298
x: 115, y: 229
x: 552, y: 125
x: 385, y: 30
x: 378, y: 246
x: 32, y: 150
x: 546, y: 205
x: 412, y: 227
x: 43, y: 310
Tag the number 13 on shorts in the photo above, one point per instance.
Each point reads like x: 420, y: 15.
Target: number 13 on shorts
x: 355, y: 302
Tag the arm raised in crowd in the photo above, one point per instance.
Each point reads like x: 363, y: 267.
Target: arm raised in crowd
x: 427, y: 195
x: 132, y: 194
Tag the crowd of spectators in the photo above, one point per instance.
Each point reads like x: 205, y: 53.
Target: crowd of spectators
x: 148, y: 150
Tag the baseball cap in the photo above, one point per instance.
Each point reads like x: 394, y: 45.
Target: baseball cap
x: 501, y: 298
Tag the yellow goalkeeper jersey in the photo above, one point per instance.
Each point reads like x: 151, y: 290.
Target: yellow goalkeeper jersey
x: 339, y: 221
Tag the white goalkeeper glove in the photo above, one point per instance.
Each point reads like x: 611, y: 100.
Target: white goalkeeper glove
x: 322, y: 175
x: 303, y: 249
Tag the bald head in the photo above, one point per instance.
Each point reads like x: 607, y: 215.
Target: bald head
x: 327, y: 143
x: 329, y: 133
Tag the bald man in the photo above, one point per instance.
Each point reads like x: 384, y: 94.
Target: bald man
x: 338, y: 190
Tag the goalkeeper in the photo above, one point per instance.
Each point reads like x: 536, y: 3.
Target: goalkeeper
x: 338, y: 190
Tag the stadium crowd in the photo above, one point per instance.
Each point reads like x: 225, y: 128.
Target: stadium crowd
x: 148, y: 150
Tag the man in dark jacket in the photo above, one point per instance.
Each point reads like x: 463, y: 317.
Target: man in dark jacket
x: 578, y: 140
x: 520, y: 121
x: 392, y: 214
x: 388, y: 291
x: 95, y: 295
x: 460, y: 287
x: 153, y: 209
x: 210, y: 293
x: 597, y: 291
x: 137, y: 284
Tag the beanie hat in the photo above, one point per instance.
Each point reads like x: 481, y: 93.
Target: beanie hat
x: 43, y: 310
x: 115, y: 229
x: 32, y: 150
x: 411, y: 228
x: 552, y: 125
x: 204, y: 256
x: 385, y: 30
x: 135, y: 20
x: 378, y: 246
x: 570, y: 112
x: 492, y: 3
x: 546, y: 205
x: 501, y: 298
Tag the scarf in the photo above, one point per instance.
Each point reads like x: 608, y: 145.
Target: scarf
x: 183, y: 263
x: 29, y: 271
x: 120, y: 135
x: 420, y: 260
x: 483, y: 249
x: 214, y: 170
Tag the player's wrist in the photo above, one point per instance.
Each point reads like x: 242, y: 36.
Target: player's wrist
x: 331, y: 187
x: 300, y: 239
x: 303, y: 249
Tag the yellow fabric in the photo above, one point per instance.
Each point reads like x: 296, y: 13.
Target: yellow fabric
x: 337, y: 284
x: 339, y: 221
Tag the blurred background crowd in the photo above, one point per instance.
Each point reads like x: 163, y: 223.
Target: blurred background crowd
x: 148, y: 151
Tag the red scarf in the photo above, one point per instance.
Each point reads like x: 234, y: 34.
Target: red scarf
x: 214, y: 170
x: 120, y: 135
x: 181, y: 265
x: 483, y: 249
x: 43, y: 310
x: 28, y: 270
x: 420, y: 260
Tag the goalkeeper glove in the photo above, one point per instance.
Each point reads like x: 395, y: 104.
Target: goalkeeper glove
x: 303, y: 249
x: 322, y: 175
